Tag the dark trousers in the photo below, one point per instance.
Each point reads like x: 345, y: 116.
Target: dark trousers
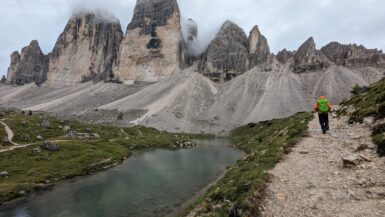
x: 324, y: 121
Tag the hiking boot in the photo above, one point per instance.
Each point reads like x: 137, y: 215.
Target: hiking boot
x: 327, y: 128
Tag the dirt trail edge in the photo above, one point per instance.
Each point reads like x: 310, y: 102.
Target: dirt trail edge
x: 312, y: 180
x: 10, y: 137
x: 9, y: 132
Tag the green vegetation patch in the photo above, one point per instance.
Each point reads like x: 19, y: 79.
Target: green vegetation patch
x: 238, y: 192
x: 369, y: 102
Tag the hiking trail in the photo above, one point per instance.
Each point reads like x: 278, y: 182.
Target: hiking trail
x: 312, y: 181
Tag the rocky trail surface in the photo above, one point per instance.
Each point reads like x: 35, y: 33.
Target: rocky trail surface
x: 337, y: 174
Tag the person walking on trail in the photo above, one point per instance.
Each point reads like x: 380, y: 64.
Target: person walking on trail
x: 323, y: 107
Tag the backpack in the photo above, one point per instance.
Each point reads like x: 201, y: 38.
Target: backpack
x: 323, y: 106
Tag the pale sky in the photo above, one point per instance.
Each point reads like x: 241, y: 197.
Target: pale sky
x: 285, y: 23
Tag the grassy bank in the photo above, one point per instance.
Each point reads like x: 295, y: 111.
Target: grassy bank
x: 239, y: 190
x: 368, y: 103
x: 84, y: 149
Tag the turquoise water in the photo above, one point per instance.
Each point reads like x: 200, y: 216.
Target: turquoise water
x: 150, y: 183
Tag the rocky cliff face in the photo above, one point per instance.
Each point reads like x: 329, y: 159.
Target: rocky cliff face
x: 150, y: 49
x: 86, y: 49
x: 307, y: 58
x: 353, y: 55
x: 259, y: 48
x: 227, y: 55
x: 29, y: 66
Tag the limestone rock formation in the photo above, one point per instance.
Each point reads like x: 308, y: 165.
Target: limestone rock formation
x: 259, y: 48
x: 307, y: 58
x: 29, y: 66
x: 150, y: 49
x: 86, y: 50
x: 284, y: 55
x: 353, y: 55
x: 227, y: 55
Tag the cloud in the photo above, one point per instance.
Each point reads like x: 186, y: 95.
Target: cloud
x: 285, y: 23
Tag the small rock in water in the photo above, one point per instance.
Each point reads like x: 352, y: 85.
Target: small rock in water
x: 351, y: 160
x: 49, y: 146
x: 4, y: 174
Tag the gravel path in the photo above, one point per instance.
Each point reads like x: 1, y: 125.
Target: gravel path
x: 312, y: 181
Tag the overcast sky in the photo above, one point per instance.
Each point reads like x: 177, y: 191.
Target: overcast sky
x: 285, y: 23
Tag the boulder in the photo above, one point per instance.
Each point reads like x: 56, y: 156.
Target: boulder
x: 86, y: 49
x: 369, y: 121
x: 49, y: 146
x: 30, y: 66
x: 259, y: 48
x: 5, y: 139
x: 45, y: 123
x: 227, y: 55
x: 351, y: 160
x: 39, y: 137
x: 36, y: 150
x: 66, y: 128
x: 150, y: 50
x: 4, y: 173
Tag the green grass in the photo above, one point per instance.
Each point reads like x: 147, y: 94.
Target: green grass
x: 240, y: 188
x: 370, y: 103
x: 76, y: 157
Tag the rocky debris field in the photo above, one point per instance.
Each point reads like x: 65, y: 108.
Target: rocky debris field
x: 337, y: 174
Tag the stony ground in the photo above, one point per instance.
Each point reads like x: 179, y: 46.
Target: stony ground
x: 313, y: 181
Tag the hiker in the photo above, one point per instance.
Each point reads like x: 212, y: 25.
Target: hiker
x: 323, y: 107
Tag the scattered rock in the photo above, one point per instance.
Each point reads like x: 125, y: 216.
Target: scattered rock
x: 351, y: 160
x: 303, y: 152
x: 25, y: 137
x: 22, y: 192
x: 45, y: 123
x: 369, y: 121
x: 4, y: 174
x: 39, y: 137
x: 66, y: 128
x: 185, y: 143
x: 365, y: 158
x: 49, y: 146
x: 5, y: 139
x: 36, y: 150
